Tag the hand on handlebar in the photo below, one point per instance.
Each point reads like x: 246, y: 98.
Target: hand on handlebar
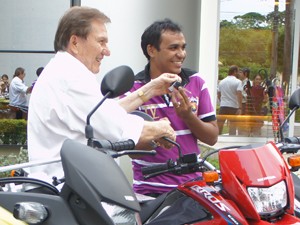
x: 167, y: 132
x: 164, y: 143
x: 154, y: 131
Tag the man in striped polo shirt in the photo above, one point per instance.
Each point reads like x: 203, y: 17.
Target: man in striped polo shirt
x: 189, y: 109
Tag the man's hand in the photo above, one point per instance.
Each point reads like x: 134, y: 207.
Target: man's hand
x: 154, y: 131
x: 181, y: 102
x: 159, y: 86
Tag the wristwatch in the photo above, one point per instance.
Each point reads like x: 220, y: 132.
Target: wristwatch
x: 142, y: 96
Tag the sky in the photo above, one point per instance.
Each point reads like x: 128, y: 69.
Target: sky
x: 232, y: 8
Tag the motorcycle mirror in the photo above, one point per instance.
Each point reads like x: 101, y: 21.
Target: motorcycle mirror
x: 294, y: 104
x: 294, y: 101
x: 117, y: 81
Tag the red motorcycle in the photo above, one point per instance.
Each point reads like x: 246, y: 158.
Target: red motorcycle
x: 253, y: 186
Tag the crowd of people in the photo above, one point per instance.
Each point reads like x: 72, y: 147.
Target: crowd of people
x: 239, y: 95
x: 16, y: 91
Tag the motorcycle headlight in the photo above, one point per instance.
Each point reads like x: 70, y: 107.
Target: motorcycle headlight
x: 269, y: 200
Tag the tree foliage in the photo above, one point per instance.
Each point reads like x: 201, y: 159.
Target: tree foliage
x: 250, y: 20
x: 246, y: 41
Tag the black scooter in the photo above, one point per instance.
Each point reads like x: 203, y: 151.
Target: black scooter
x: 95, y: 190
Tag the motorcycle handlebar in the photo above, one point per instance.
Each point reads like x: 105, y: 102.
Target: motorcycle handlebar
x: 289, y: 148
x: 155, y: 168
x: 116, y: 146
x: 177, y: 167
x: 293, y: 140
x: 123, y: 145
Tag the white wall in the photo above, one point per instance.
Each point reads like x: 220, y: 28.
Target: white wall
x: 28, y: 25
x: 131, y: 17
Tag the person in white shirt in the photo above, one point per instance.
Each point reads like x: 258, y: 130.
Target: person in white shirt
x: 17, y: 94
x: 67, y: 90
x: 230, y: 97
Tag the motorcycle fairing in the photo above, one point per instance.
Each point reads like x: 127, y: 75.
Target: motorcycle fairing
x: 222, y: 210
x: 59, y: 210
x: 87, y: 181
x: 256, y: 166
x: 178, y: 209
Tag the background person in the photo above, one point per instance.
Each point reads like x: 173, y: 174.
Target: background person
x: 4, y: 85
x: 38, y: 73
x: 244, y: 77
x: 257, y: 98
x: 17, y: 94
x: 67, y: 91
x: 243, y: 126
x: 189, y: 109
x: 230, y: 98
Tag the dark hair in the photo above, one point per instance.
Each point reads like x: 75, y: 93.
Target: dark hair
x: 258, y: 75
x: 19, y: 71
x: 76, y: 21
x: 4, y: 75
x: 233, y: 69
x: 39, y: 71
x: 152, y: 34
x: 246, y: 71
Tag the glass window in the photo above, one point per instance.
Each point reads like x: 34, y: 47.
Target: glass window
x: 255, y: 58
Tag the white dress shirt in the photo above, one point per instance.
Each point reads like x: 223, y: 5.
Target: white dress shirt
x: 62, y: 97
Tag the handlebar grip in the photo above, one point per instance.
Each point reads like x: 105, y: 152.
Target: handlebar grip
x: 155, y: 168
x: 116, y: 146
x: 123, y: 145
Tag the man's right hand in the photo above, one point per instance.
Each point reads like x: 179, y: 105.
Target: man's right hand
x: 155, y: 131
x: 159, y: 86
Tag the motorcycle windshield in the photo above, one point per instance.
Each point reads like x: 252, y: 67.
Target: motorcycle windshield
x: 252, y: 165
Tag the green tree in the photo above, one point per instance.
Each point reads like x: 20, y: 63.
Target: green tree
x: 251, y: 20
x: 244, y: 47
x: 247, y: 41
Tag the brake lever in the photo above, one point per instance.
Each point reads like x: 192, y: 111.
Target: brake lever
x: 289, y: 148
x: 158, y: 173
x: 131, y: 152
x: 178, y: 169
